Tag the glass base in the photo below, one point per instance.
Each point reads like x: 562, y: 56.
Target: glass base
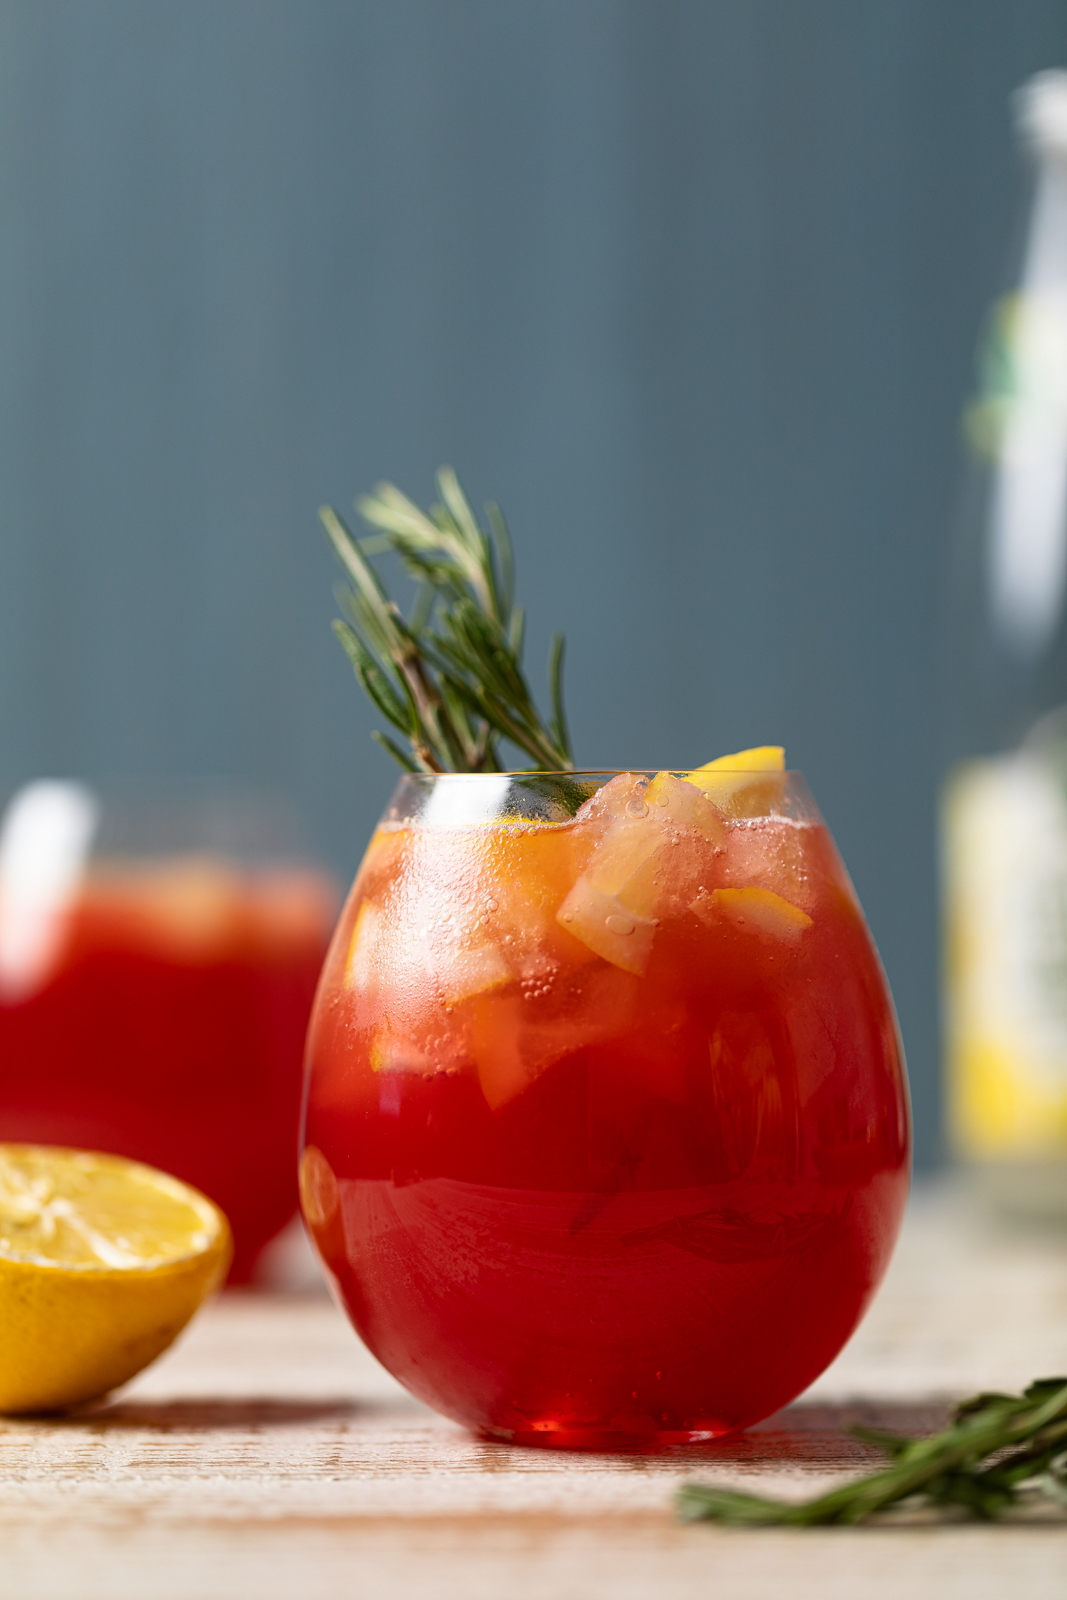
x: 552, y: 1436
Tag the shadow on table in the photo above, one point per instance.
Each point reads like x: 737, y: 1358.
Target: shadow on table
x: 807, y: 1436
x: 211, y: 1414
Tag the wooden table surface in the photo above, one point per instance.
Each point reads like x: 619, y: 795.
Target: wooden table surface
x: 268, y: 1455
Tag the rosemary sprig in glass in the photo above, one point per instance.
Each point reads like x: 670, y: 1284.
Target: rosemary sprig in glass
x: 449, y: 675
x: 999, y: 1449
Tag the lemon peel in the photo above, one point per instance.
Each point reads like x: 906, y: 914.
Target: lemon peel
x: 755, y: 910
x: 761, y: 758
x: 730, y: 781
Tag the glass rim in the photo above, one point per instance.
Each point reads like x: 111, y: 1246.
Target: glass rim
x: 613, y: 772
x: 459, y: 799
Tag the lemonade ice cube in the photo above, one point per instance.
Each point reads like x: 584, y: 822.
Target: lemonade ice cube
x: 512, y: 1043
x: 636, y: 868
x: 609, y: 926
x: 463, y: 973
x: 681, y: 800
x: 360, y: 964
x: 390, y: 1052
x: 622, y: 852
x: 772, y: 853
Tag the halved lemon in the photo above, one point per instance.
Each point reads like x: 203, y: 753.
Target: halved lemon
x: 102, y: 1263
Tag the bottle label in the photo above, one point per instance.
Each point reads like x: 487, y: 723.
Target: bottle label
x: 1005, y: 876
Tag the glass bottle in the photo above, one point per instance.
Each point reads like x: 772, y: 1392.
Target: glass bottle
x: 1005, y: 802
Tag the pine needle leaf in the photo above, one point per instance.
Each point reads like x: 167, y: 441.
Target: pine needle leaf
x: 449, y: 677
x: 558, y: 724
x: 505, y: 556
x: 998, y: 1448
x: 395, y: 751
x: 374, y: 681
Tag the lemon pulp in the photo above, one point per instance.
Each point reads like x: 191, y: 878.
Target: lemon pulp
x: 102, y: 1263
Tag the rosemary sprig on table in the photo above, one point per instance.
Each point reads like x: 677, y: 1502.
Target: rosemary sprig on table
x: 448, y: 676
x: 998, y: 1448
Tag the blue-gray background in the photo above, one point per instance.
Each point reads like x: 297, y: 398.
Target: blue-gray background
x: 690, y: 286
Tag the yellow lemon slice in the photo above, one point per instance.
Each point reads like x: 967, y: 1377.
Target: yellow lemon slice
x: 102, y: 1263
x: 762, y: 758
x: 729, y: 784
x: 755, y: 910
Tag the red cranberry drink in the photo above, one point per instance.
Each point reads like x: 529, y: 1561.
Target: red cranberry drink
x: 606, y: 1133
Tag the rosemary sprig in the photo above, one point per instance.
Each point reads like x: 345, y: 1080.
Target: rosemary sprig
x: 448, y: 676
x: 998, y: 1449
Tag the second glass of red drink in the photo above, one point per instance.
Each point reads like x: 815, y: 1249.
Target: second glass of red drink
x: 158, y: 956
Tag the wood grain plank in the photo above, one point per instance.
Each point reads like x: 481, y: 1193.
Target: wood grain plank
x: 269, y: 1455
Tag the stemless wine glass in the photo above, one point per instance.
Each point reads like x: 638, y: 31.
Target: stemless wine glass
x: 606, y: 1124
x: 159, y: 949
